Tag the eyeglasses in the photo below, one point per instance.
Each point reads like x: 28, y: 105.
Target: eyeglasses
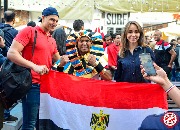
x: 84, y: 40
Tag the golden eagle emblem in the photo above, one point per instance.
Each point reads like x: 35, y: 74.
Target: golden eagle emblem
x: 99, y: 121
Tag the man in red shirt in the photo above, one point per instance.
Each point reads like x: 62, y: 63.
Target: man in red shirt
x: 107, y: 41
x: 45, y: 50
x: 112, y: 51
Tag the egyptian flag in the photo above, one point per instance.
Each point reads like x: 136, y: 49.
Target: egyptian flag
x: 68, y: 102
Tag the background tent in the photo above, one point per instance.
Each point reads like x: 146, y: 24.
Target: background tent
x: 171, y: 30
x: 84, y: 9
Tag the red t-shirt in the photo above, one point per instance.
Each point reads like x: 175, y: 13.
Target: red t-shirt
x: 112, y: 51
x: 104, y: 45
x: 44, y: 50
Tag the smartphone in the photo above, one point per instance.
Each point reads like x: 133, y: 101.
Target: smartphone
x: 147, y: 63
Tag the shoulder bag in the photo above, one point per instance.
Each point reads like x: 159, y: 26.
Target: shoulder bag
x: 15, y: 81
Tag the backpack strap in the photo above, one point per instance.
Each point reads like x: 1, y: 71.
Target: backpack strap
x: 34, y: 42
x: 163, y: 46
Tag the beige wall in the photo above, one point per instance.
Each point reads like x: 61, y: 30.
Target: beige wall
x: 34, y: 16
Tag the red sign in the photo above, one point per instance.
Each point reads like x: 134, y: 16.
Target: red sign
x: 176, y: 16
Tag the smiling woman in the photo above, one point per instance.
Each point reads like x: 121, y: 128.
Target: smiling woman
x: 132, y: 44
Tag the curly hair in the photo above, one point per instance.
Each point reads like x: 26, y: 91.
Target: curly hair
x: 78, y: 24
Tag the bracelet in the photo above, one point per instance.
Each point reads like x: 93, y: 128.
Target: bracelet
x: 60, y: 69
x: 99, y: 67
x: 169, y: 89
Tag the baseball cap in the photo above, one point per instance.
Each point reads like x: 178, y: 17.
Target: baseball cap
x: 49, y: 11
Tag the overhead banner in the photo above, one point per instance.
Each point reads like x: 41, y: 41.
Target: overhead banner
x: 74, y: 103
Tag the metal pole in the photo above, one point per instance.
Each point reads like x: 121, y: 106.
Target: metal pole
x: 5, y: 5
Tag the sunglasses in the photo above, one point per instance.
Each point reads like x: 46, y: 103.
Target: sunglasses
x: 84, y: 40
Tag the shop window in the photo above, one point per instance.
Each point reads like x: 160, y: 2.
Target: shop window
x: 110, y: 30
x: 118, y: 30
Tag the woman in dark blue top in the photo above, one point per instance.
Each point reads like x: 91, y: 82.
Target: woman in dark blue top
x: 132, y: 44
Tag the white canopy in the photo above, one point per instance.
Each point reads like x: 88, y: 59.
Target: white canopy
x: 84, y: 9
x: 171, y: 30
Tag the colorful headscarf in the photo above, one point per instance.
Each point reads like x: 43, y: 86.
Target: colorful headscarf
x: 75, y: 59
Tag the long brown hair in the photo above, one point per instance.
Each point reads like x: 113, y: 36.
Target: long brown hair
x: 124, y: 40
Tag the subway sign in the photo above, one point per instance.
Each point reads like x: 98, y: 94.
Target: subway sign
x: 116, y: 19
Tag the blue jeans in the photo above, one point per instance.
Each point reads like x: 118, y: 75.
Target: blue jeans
x: 30, y: 104
x: 6, y: 113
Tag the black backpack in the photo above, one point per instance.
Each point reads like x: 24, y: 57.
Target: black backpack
x: 15, y: 81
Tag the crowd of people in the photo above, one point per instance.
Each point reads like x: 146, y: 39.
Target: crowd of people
x: 85, y: 54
